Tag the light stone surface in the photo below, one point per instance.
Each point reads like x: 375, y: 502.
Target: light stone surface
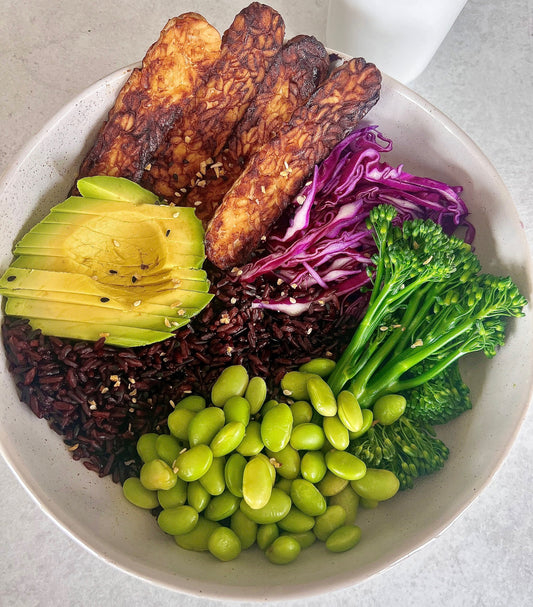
x: 481, y: 77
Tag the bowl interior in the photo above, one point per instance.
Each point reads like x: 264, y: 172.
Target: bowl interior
x: 93, y: 511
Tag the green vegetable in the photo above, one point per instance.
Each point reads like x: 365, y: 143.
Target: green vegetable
x: 407, y: 449
x: 429, y: 305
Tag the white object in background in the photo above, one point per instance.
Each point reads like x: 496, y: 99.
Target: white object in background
x: 399, y: 36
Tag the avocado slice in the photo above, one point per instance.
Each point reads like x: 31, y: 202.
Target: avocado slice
x: 94, y: 263
x: 125, y: 337
x: 115, y: 188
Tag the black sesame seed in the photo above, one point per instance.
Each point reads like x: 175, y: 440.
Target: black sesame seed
x: 104, y: 299
x: 134, y: 279
x: 113, y: 272
x: 12, y: 278
x: 167, y: 233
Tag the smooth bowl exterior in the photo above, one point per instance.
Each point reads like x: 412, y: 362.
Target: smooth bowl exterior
x: 93, y: 510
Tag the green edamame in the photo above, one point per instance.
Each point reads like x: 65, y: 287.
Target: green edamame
x: 313, y: 466
x: 389, y: 408
x: 331, y: 484
x: 157, y: 474
x: 276, y: 427
x: 307, y: 498
x: 204, y: 425
x: 302, y: 412
x: 252, y: 443
x: 224, y: 544
x: 283, y: 550
x: 321, y: 396
x: 198, y: 538
x: 233, y: 381
x: 294, y: 385
x: 146, y: 446
x: 307, y: 437
x: 336, y: 432
x: 344, y: 538
x: 287, y: 461
x: 349, y: 500
x: 266, y: 534
x: 333, y: 518
x: 305, y: 539
x: 237, y: 409
x: 233, y: 473
x: 296, y: 521
x: 273, y: 511
x: 257, y: 482
x: 178, y: 423
x: 213, y: 480
x: 319, y: 366
x: 345, y: 465
x: 255, y: 394
x: 245, y: 528
x: 221, y: 506
x: 227, y: 439
x: 176, y: 496
x: 136, y: 493
x: 194, y: 462
x: 368, y: 418
x: 192, y: 402
x: 177, y: 520
x: 349, y: 411
x: 168, y: 448
x: 197, y: 496
x: 376, y: 484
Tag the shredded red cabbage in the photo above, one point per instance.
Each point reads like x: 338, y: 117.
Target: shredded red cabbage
x: 322, y: 242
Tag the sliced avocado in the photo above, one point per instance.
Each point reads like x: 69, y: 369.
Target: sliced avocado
x: 94, y: 263
x: 115, y: 188
x: 42, y: 308
x: 25, y: 283
x: 125, y: 337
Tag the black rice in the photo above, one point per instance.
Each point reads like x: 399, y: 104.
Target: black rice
x: 100, y: 398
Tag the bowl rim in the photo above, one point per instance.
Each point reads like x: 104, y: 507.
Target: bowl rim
x: 213, y: 590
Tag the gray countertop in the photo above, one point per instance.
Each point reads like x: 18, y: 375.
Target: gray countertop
x: 481, y: 77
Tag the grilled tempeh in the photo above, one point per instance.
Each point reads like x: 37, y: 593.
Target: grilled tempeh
x: 147, y: 104
x: 248, y: 48
x: 280, y: 168
x: 293, y: 76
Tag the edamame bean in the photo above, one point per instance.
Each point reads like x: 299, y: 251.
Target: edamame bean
x: 287, y: 461
x: 245, y: 528
x: 198, y: 538
x: 307, y: 497
x: 221, y: 506
x: 270, y: 467
x: 307, y: 437
x: 320, y: 366
x: 368, y: 504
x: 257, y: 483
x: 197, y: 496
x: 224, y: 544
x: 233, y: 473
x: 344, y: 538
x: 267, y: 406
x: 389, y: 408
x: 368, y: 418
x: 296, y: 521
x: 178, y: 520
x: 266, y: 534
x: 283, y: 550
x: 136, y: 493
x: 255, y: 394
x: 331, y: 484
x: 349, y: 411
x: 345, y: 465
x: 302, y: 412
x: 377, y: 484
x: 336, y: 432
x: 178, y: 422
x: 321, y: 396
x: 233, y: 381
x: 204, y: 425
x: 251, y: 444
x: 305, y: 539
x: 157, y: 474
x: 176, y: 496
x: 237, y: 409
x: 194, y: 463
x: 313, y: 466
x: 213, y: 480
x: 294, y: 385
x: 273, y: 511
x: 325, y: 524
x: 227, y: 439
x: 349, y: 500
x: 146, y: 446
x: 192, y: 402
x: 168, y: 448
x: 276, y: 427
x: 284, y: 484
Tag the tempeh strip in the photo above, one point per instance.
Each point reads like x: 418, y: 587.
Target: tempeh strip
x: 292, y: 78
x: 147, y: 104
x: 248, y: 47
x: 275, y: 174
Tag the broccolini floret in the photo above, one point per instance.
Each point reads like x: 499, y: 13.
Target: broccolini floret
x: 406, y: 448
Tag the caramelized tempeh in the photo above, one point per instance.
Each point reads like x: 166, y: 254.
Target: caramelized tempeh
x: 293, y: 76
x: 248, y: 48
x: 148, y: 103
x: 279, y: 169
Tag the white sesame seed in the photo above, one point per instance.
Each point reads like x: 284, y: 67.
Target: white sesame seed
x: 137, y: 303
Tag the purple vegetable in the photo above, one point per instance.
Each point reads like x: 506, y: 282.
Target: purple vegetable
x: 322, y: 242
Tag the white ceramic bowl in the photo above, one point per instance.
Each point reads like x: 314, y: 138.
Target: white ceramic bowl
x: 93, y: 511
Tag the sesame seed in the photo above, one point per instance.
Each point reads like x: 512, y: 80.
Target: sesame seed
x: 104, y: 299
x: 417, y: 343
x: 287, y: 392
x: 137, y: 303
x: 263, y: 189
x: 181, y: 312
x: 148, y: 167
x: 197, y: 203
x: 233, y: 300
x: 116, y: 243
x: 176, y: 214
x: 202, y: 183
x: 209, y: 160
x: 187, y: 139
x: 300, y: 199
x: 73, y: 447
x: 177, y: 194
x: 167, y: 233
x: 172, y: 403
x: 11, y: 278
x: 113, y: 272
x: 292, y: 300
